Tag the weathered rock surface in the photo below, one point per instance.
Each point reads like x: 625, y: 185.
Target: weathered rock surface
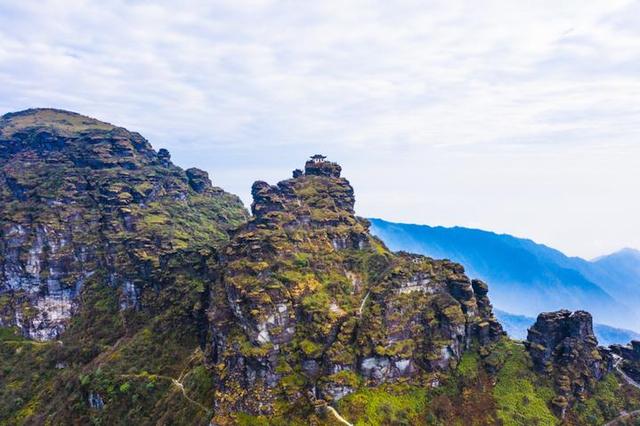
x: 82, y: 199
x: 562, y: 344
x: 630, y: 362
x: 310, y: 305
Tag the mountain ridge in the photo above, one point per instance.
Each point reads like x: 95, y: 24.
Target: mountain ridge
x: 543, y: 276
x: 181, y: 308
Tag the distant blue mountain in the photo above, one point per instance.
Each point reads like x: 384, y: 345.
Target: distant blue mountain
x: 527, y: 278
x: 516, y: 326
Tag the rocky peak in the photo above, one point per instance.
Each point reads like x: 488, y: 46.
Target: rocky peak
x: 318, y: 166
x: 628, y: 359
x: 562, y: 344
x: 83, y: 199
x: 57, y: 121
x: 310, y: 304
x: 630, y: 351
x: 199, y: 180
x: 56, y: 136
x: 319, y: 196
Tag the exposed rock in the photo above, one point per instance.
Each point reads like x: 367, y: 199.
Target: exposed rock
x: 630, y: 357
x: 164, y: 156
x: 96, y: 401
x: 311, y: 304
x: 198, y: 180
x: 322, y: 168
x: 562, y: 344
x: 81, y: 201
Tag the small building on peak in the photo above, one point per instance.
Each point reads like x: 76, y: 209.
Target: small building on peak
x: 318, y: 166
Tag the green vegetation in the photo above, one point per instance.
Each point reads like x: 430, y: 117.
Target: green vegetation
x: 120, y: 222
x: 606, y: 403
x: 469, y: 365
x: 522, y: 397
x: 385, y: 405
x: 181, y: 309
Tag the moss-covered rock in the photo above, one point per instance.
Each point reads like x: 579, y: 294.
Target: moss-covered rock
x: 81, y: 198
x: 308, y: 287
x: 562, y: 345
x: 106, y: 254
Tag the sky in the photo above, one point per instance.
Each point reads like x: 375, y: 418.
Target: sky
x: 514, y: 117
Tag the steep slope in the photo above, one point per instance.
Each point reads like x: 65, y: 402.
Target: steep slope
x: 311, y: 307
x: 106, y: 252
x: 526, y: 277
x: 563, y: 346
x: 299, y: 316
x: 82, y: 198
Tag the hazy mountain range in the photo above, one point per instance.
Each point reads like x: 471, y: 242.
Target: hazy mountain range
x: 526, y: 277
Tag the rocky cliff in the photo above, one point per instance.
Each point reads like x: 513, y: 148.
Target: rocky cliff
x: 135, y: 292
x: 310, y: 306
x: 84, y: 200
x: 563, y: 346
x: 628, y: 359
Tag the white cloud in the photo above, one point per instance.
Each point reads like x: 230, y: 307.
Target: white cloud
x: 511, y: 116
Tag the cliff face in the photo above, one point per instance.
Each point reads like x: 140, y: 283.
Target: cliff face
x: 84, y: 201
x: 562, y: 345
x: 157, y: 300
x: 310, y: 306
x: 628, y: 359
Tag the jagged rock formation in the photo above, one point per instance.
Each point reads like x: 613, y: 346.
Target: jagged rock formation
x: 163, y: 311
x: 310, y: 306
x: 562, y: 345
x: 84, y: 200
x: 630, y: 355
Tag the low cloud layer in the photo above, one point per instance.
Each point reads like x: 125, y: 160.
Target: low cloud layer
x: 509, y: 117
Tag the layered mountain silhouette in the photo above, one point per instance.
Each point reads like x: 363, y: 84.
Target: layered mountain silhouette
x: 526, y: 277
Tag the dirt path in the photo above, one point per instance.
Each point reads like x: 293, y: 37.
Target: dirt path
x: 362, y: 304
x: 623, y: 415
x: 616, y: 364
x: 338, y: 416
x: 178, y: 384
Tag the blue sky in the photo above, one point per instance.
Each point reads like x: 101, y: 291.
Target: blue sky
x: 508, y: 116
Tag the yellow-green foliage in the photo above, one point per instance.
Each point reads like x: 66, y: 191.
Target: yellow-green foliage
x: 345, y: 378
x: 385, y: 405
x: 522, y: 399
x: 311, y: 349
x: 468, y: 365
x: 610, y: 397
x: 62, y: 121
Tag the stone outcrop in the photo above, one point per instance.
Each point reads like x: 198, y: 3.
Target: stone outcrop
x: 310, y: 306
x: 563, y: 346
x: 84, y: 200
x: 322, y: 168
x: 629, y: 359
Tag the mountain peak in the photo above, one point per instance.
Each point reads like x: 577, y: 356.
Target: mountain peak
x: 317, y: 196
x: 318, y: 166
x: 311, y: 305
x: 626, y: 253
x: 57, y: 120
